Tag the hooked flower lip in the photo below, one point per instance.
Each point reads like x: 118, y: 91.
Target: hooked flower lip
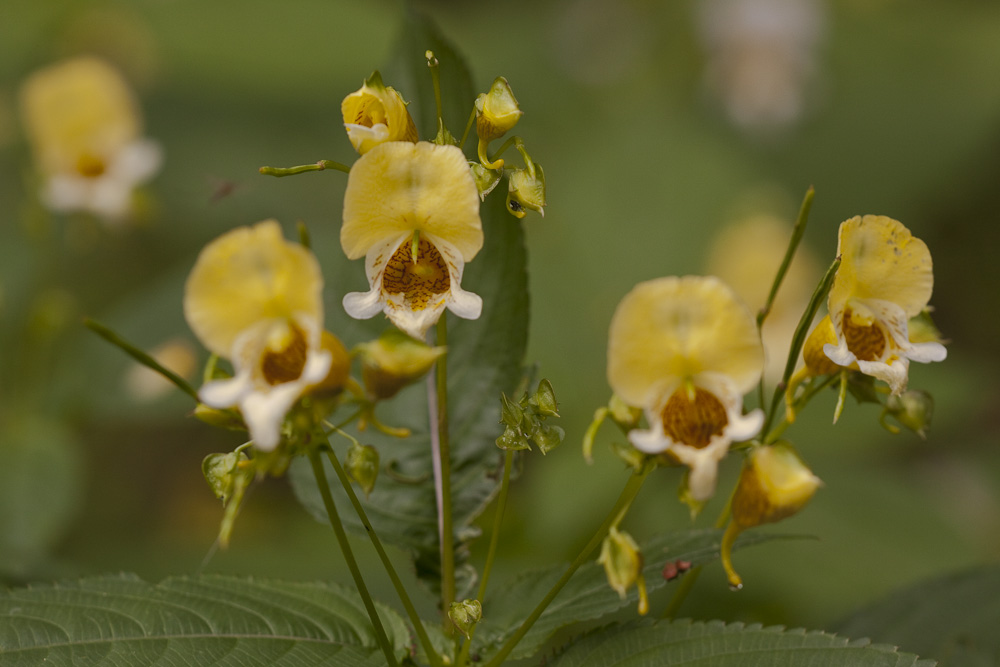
x: 885, y: 278
x: 686, y: 350
x: 412, y: 210
x: 256, y: 299
x: 85, y: 130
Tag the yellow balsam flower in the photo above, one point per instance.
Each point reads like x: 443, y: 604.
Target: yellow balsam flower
x: 376, y: 113
x: 256, y: 299
x: 774, y: 484
x: 412, y: 211
x: 686, y: 350
x: 885, y: 278
x: 85, y: 131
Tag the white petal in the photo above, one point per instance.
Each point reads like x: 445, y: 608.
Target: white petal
x: 926, y: 352
x: 361, y: 135
x: 363, y: 305
x: 893, y: 374
x: 137, y: 162
x: 226, y: 393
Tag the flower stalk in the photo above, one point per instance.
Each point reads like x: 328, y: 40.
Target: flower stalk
x: 319, y: 165
x: 437, y: 387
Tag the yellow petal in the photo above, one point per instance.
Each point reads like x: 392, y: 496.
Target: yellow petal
x: 246, y: 276
x: 881, y: 260
x: 78, y: 114
x: 669, y: 329
x: 376, y: 104
x: 398, y: 187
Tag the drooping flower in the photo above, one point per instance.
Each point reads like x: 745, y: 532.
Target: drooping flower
x: 376, y: 113
x: 412, y: 210
x: 686, y: 350
x: 86, y: 133
x: 885, y: 278
x: 256, y: 299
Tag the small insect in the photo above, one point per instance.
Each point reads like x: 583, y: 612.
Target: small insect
x: 674, y: 569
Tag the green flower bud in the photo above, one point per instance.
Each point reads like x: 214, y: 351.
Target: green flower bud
x: 526, y: 190
x: 548, y: 437
x: 394, y: 360
x: 913, y: 409
x: 622, y: 563
x: 361, y: 465
x: 545, y: 399
x: 220, y: 471
x: 512, y: 439
x: 511, y: 414
x: 486, y: 179
x: 465, y: 615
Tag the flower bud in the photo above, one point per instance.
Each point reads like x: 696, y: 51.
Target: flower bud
x: 526, y: 190
x: 496, y: 111
x: 511, y: 413
x: 226, y: 418
x: 361, y: 465
x: 912, y: 409
x: 545, y: 399
x: 220, y: 471
x: 465, y: 615
x: 376, y: 113
x: 394, y: 360
x: 486, y: 179
x: 774, y: 484
x: 622, y: 563
x: 548, y: 437
x: 512, y: 439
x: 812, y: 351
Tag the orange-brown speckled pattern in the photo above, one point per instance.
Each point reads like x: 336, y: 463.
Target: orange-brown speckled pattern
x: 418, y: 281
x: 693, y: 423
x: 285, y: 365
x: 867, y: 343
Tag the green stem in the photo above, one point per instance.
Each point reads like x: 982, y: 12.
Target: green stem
x: 468, y: 127
x: 320, y: 165
x: 411, y: 611
x: 799, y: 338
x: 624, y: 500
x: 508, y: 462
x: 687, y: 582
x: 140, y: 356
x: 807, y: 396
x: 443, y: 469
x: 359, y: 582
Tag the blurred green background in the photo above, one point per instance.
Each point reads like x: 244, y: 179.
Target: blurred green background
x: 657, y: 123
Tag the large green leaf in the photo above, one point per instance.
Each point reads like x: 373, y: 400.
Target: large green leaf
x: 484, y: 359
x: 716, y: 644
x: 587, y: 596
x: 953, y: 618
x: 210, y: 620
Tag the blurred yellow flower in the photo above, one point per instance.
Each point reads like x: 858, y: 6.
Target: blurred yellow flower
x: 885, y: 278
x: 686, y: 350
x: 376, y: 113
x: 85, y: 130
x: 412, y: 210
x: 256, y: 299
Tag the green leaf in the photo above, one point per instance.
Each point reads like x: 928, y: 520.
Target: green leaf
x: 216, y: 620
x: 674, y: 643
x: 953, y: 618
x: 587, y: 596
x: 40, y: 484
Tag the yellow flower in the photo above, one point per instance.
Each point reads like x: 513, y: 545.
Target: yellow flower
x: 85, y: 131
x: 412, y: 210
x: 885, y: 278
x: 256, y: 299
x: 376, y: 113
x: 774, y: 484
x: 686, y: 350
x: 497, y: 112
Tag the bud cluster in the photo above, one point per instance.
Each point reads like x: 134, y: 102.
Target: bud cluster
x: 524, y: 421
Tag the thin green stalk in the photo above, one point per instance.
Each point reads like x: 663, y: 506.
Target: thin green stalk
x: 352, y: 565
x: 776, y: 432
x: 508, y: 462
x: 468, y: 127
x: 411, y: 611
x: 624, y: 500
x: 793, y: 244
x: 441, y: 450
x: 687, y: 581
x: 799, y: 338
x: 140, y: 356
x: 319, y: 165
